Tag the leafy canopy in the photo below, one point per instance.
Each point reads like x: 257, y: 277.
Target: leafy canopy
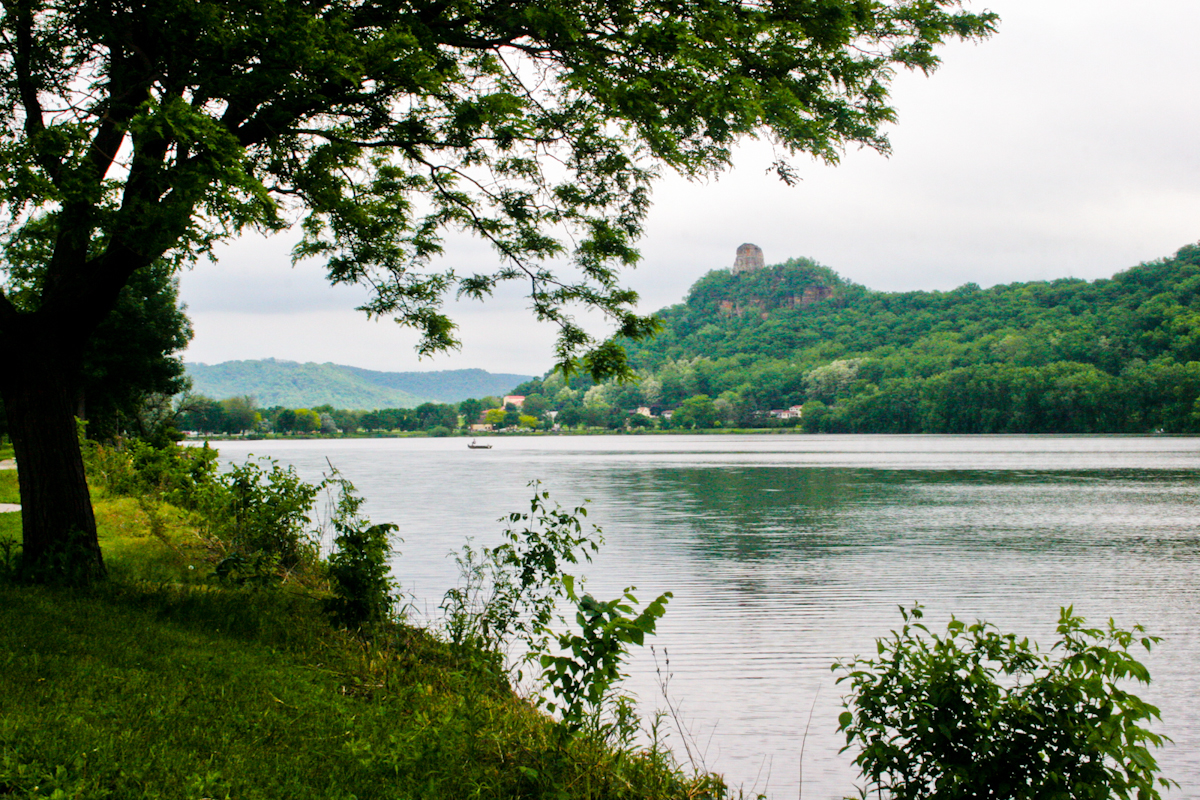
x: 141, y: 129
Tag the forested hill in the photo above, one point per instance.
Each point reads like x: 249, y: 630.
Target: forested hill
x: 293, y: 385
x: 1112, y: 355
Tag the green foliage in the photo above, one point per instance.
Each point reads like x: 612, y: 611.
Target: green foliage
x: 1069, y: 356
x: 169, y: 472
x: 511, y: 590
x: 358, y: 568
x: 585, y: 675
x: 260, y: 518
x: 979, y: 713
x: 696, y: 412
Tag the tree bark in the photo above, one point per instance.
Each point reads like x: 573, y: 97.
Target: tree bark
x: 39, y: 386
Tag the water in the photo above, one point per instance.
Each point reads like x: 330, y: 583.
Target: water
x: 788, y: 552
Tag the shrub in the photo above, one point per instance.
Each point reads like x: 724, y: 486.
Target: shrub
x: 260, y: 516
x: 587, y: 670
x: 512, y: 589
x: 134, y: 467
x: 980, y: 714
x: 358, y: 569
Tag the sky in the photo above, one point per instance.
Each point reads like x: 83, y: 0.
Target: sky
x: 1064, y: 146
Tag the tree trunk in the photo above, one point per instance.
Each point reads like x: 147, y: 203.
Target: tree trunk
x: 59, y: 529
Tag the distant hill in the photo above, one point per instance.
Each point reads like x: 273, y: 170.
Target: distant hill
x: 1116, y: 355
x: 287, y: 383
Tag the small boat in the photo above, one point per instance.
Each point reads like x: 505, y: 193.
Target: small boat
x: 474, y: 446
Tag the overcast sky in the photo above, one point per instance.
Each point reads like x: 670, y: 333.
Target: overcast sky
x: 1065, y: 146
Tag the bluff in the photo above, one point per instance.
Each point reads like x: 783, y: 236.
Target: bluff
x: 1120, y: 354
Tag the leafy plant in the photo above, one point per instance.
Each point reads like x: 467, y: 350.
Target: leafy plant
x: 583, y: 677
x: 255, y: 511
x: 512, y: 589
x: 976, y: 713
x: 168, y: 472
x: 359, y: 574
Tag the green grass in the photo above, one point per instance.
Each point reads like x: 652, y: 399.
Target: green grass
x: 8, y: 486
x: 160, y: 684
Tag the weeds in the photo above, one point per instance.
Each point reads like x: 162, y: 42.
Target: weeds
x: 511, y: 590
x: 514, y: 591
x: 358, y: 568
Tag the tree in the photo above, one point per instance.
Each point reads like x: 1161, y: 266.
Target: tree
x: 202, y: 414
x: 285, y: 421
x: 306, y: 420
x: 979, y: 713
x: 470, y: 409
x: 131, y: 357
x: 437, y: 415
x: 240, y: 414
x: 696, y: 412
x: 140, y: 130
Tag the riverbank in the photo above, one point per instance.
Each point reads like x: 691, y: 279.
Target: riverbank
x: 217, y: 437
x: 162, y: 683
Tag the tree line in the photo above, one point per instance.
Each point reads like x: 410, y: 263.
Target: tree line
x: 241, y: 415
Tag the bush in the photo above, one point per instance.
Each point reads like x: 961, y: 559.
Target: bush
x: 980, y: 714
x: 512, y: 589
x: 259, y: 518
x: 134, y: 468
x: 358, y: 569
x: 585, y: 674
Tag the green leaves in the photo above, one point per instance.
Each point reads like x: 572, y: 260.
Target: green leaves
x: 539, y: 128
x: 583, y: 677
x: 979, y: 713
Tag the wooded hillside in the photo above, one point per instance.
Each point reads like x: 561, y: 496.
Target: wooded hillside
x: 287, y: 383
x: 1112, y: 355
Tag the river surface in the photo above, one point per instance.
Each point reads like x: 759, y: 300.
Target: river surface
x: 788, y: 552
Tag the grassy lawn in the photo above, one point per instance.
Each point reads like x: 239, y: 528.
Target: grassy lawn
x: 8, y: 486
x: 160, y: 683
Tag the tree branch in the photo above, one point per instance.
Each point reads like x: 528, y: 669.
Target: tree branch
x: 26, y: 86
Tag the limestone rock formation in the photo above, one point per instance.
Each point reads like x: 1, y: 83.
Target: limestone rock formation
x: 749, y: 258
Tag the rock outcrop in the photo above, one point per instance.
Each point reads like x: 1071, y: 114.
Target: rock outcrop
x: 749, y: 258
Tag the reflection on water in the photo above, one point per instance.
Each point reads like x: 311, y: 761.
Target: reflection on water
x: 786, y: 553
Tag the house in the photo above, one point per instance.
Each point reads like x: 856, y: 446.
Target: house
x: 481, y: 427
x: 790, y: 413
x: 517, y: 400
